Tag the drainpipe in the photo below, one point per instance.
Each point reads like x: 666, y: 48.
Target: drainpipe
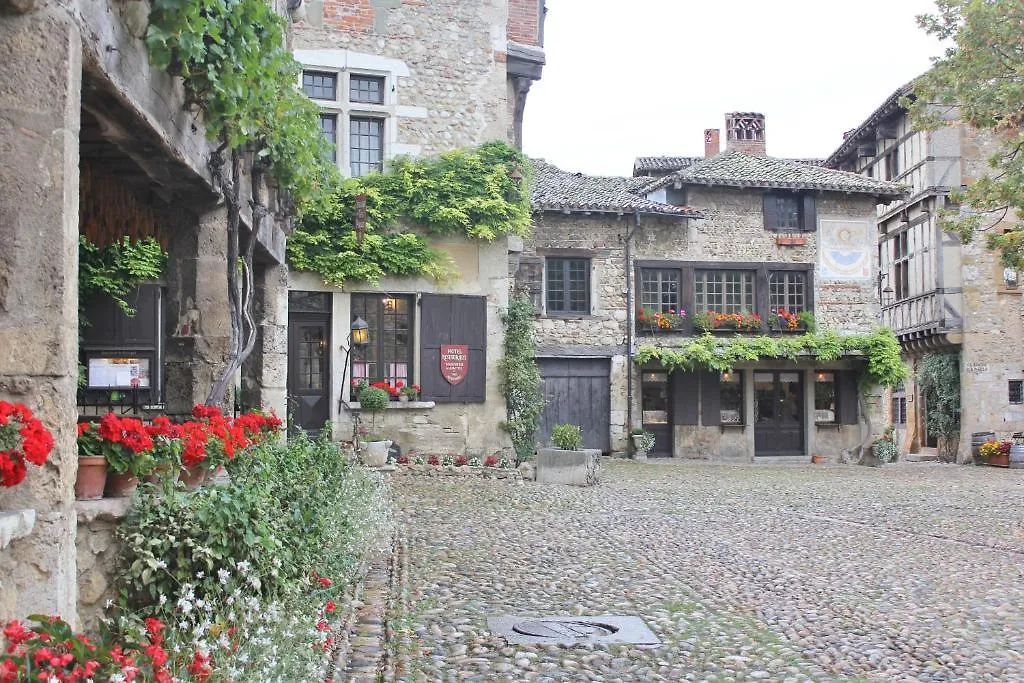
x: 629, y: 324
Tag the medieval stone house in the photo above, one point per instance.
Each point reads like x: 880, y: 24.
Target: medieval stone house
x: 411, y: 78
x: 95, y: 141
x: 613, y: 262
x: 938, y: 295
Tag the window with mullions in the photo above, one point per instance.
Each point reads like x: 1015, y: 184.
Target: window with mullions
x: 366, y: 89
x: 826, y: 409
x: 329, y: 125
x: 320, y: 85
x: 787, y: 290
x: 787, y: 210
x: 724, y: 291
x: 388, y: 357
x: 568, y: 285
x: 659, y: 289
x: 366, y: 145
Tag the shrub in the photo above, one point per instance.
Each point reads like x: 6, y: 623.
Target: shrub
x: 567, y: 437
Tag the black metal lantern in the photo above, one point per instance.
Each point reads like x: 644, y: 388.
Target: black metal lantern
x: 360, y: 332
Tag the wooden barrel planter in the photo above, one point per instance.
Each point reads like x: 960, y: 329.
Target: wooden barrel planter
x: 978, y: 438
x: 1016, y: 457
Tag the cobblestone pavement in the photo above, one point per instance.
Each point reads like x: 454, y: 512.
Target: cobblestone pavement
x: 782, y: 573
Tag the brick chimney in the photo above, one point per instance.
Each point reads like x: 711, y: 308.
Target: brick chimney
x: 744, y: 132
x: 712, y: 142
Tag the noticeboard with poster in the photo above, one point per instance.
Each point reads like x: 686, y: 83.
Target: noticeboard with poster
x: 118, y: 373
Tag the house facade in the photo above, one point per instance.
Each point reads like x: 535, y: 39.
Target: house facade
x: 937, y: 294
x: 721, y: 243
x: 410, y: 78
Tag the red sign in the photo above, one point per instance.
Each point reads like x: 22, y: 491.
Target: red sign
x: 360, y: 217
x: 454, y: 362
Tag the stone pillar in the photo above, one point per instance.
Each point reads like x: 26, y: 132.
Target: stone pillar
x: 40, y: 112
x: 198, y: 311
x: 265, y: 372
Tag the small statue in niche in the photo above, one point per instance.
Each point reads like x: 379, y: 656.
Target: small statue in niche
x: 188, y: 322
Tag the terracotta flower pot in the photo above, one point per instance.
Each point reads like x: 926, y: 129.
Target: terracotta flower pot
x: 121, y: 485
x: 92, y: 477
x: 817, y: 459
x: 193, y: 477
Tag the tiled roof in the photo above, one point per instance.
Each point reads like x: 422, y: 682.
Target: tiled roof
x: 558, y: 190
x: 866, y: 130
x: 644, y: 165
x: 735, y: 169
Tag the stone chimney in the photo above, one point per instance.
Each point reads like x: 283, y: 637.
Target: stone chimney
x: 744, y: 132
x: 712, y: 142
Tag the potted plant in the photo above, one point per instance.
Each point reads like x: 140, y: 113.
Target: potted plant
x: 23, y: 439
x: 407, y: 392
x: 884, y: 448
x: 92, y: 465
x: 643, y: 442
x: 568, y: 462
x: 791, y: 321
x: 127, y: 447
x: 665, y: 321
x: 374, y: 451
x: 996, y: 453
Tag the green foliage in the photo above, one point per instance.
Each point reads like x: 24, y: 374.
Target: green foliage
x: 979, y: 80
x: 289, y: 509
x: 117, y: 269
x: 567, y: 437
x: 238, y: 71
x: 882, y: 350
x: 938, y: 376
x: 520, y: 377
x: 373, y: 400
x: 885, y: 448
x: 469, y: 193
x: 645, y: 443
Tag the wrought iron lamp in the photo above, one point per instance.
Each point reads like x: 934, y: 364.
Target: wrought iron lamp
x: 359, y: 337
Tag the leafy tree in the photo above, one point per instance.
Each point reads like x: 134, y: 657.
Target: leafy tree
x: 979, y: 81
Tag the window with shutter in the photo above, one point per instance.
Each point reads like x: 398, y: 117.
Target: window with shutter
x: 453, y: 319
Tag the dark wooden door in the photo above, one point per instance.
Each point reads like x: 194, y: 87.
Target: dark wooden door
x: 309, y: 371
x: 779, y: 413
x: 576, y: 391
x: 656, y: 406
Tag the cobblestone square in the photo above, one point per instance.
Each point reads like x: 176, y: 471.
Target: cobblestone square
x: 781, y: 573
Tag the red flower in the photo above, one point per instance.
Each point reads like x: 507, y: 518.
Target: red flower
x: 325, y: 582
x: 201, y: 667
x: 83, y: 427
x: 321, y: 625
x: 330, y: 607
x: 433, y: 460
x: 491, y: 461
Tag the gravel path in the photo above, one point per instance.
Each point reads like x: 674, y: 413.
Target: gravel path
x: 789, y: 573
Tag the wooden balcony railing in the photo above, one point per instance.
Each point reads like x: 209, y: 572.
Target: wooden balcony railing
x: 921, y: 313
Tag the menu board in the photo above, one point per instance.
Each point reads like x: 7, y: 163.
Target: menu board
x: 118, y: 373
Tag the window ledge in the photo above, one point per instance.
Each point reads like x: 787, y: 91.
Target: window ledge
x: 732, y: 425
x: 828, y: 425
x: 569, y: 316
x: 397, y: 405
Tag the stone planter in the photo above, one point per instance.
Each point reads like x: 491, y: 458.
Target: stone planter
x: 638, y: 452
x: 402, y: 398
x: 374, y: 453
x: 121, y: 485
x: 575, y: 468
x: 92, y: 477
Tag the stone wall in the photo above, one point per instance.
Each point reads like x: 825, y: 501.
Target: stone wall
x: 447, y: 59
x: 97, y: 549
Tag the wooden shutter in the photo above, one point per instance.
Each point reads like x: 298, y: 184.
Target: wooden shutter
x: 847, y: 390
x: 809, y: 214
x: 685, y: 393
x: 710, y: 398
x: 771, y: 213
x: 453, y: 319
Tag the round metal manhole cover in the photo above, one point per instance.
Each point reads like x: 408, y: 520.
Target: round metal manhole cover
x: 550, y: 628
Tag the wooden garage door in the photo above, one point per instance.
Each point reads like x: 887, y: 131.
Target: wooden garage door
x: 576, y: 391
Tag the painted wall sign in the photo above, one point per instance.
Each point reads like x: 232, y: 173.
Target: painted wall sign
x: 454, y: 362
x: 845, y: 252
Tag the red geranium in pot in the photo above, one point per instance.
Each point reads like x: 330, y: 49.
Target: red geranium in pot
x: 126, y: 446
x: 23, y: 439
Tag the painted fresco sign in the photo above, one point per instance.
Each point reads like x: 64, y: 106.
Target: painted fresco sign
x: 454, y: 362
x: 845, y: 252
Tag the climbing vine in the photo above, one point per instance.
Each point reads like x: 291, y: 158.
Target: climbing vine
x: 478, y: 193
x: 938, y: 375
x: 520, y: 377
x: 117, y: 269
x: 882, y: 350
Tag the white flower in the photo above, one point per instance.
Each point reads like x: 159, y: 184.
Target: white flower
x: 163, y: 599
x: 117, y: 678
x: 244, y: 566
x: 223, y: 575
x: 200, y: 575
x: 53, y: 679
x: 109, y: 603
x: 161, y: 564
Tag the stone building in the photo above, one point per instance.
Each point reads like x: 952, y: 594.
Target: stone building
x: 937, y: 294
x: 612, y: 262
x: 411, y: 78
x: 95, y: 141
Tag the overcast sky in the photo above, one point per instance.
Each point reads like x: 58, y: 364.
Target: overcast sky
x: 646, y: 77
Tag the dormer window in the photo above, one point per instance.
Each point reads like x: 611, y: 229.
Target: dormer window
x: 787, y: 209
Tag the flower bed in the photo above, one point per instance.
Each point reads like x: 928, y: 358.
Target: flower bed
x: 491, y: 467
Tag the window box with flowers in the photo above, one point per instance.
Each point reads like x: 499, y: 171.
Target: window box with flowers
x: 671, y: 320
x: 781, y: 320
x: 710, y: 321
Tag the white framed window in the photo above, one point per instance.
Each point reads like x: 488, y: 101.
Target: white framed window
x: 356, y: 115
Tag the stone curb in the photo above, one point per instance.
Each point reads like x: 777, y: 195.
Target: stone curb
x: 513, y: 476
x: 366, y: 654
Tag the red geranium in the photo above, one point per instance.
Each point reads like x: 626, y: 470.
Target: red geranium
x: 22, y: 438
x: 124, y: 441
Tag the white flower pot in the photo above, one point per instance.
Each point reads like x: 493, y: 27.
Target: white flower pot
x: 374, y: 453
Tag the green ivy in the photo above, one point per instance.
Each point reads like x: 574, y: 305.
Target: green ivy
x: 938, y: 375
x: 882, y: 350
x: 520, y: 377
x: 117, y: 269
x: 238, y: 71
x: 472, y: 193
